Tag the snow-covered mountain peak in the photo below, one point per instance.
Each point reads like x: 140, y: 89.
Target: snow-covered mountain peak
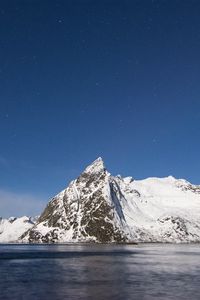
x: 95, y: 167
x: 99, y: 207
x: 171, y: 178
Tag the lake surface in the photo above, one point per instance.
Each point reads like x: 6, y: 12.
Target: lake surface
x: 100, y: 272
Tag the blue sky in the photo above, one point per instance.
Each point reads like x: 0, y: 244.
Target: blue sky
x: 82, y: 79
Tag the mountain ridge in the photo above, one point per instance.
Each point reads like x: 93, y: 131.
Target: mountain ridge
x: 99, y: 207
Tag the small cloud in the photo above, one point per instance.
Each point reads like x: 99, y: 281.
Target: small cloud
x: 19, y: 204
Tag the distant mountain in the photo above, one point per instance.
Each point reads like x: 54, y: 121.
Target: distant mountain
x: 11, y: 229
x: 99, y: 207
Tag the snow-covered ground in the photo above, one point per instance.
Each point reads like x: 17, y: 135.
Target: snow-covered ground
x: 11, y: 229
x: 161, y: 209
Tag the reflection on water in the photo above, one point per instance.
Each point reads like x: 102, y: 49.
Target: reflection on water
x: 99, y: 272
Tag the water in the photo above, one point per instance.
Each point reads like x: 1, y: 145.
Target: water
x: 100, y: 272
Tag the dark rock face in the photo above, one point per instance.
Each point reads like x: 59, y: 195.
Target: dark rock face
x: 189, y: 187
x: 52, y: 215
x: 177, y: 226
x: 94, y: 221
x: 85, y: 211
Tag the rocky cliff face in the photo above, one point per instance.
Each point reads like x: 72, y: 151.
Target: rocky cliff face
x: 99, y: 207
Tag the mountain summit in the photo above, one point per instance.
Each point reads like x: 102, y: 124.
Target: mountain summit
x: 96, y: 167
x: 87, y: 210
x: 99, y: 207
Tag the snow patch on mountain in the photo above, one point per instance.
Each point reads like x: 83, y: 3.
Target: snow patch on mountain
x: 11, y: 229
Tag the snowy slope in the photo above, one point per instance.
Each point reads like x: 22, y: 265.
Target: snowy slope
x: 100, y: 207
x: 161, y: 209
x: 11, y: 229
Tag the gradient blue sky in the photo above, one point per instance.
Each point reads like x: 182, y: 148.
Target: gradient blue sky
x: 82, y: 79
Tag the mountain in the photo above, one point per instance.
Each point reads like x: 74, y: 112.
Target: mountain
x: 99, y: 207
x: 11, y: 229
